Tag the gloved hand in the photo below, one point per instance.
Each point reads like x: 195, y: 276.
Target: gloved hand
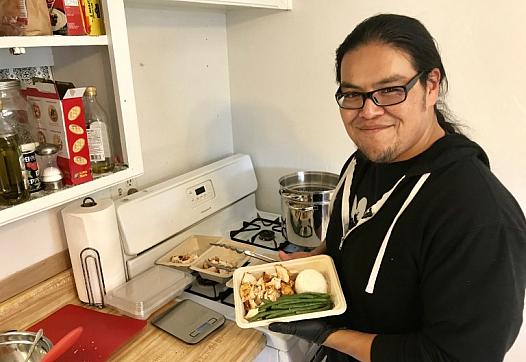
x: 313, y: 330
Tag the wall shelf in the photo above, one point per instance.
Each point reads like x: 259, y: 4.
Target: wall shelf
x: 51, y: 41
x: 58, y: 198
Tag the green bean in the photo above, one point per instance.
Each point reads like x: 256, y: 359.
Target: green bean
x: 298, y: 306
x: 293, y: 304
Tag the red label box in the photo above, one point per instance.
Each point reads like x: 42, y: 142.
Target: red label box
x: 58, y: 113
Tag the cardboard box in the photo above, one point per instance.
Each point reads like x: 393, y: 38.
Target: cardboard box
x: 58, y: 113
x: 66, y: 17
x: 93, y: 19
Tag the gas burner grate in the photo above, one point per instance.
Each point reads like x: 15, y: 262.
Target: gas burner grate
x: 265, y: 230
x: 208, y: 289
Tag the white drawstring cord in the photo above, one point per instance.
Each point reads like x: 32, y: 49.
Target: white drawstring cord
x: 376, y: 267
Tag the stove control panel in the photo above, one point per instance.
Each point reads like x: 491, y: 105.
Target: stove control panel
x: 200, y: 193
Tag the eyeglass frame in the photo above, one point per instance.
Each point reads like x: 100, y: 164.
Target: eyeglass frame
x: 369, y: 95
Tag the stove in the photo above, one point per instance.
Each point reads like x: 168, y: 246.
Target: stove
x: 217, y: 200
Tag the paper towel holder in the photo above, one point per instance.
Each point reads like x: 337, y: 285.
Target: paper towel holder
x: 88, y: 202
x: 92, y: 254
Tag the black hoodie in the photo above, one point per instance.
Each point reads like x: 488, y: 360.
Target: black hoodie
x: 450, y: 283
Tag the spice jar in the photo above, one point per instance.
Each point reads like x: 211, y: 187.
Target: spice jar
x: 51, y: 176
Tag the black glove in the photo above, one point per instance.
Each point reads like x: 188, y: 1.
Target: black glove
x: 313, y: 330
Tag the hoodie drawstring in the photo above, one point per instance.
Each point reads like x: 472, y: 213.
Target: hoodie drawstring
x: 376, y: 267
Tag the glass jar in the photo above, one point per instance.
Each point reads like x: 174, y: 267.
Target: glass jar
x: 15, y: 112
x: 13, y: 184
x: 15, y: 109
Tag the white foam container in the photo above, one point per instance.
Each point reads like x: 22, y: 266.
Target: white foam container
x: 225, y: 254
x: 321, y: 263
x: 195, y: 244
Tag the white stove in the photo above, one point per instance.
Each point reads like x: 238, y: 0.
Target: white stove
x: 218, y: 200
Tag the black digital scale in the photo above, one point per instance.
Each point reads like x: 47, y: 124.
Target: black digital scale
x: 189, y: 321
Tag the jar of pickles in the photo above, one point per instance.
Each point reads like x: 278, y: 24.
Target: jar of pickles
x: 15, y: 112
x: 13, y: 184
x: 15, y: 109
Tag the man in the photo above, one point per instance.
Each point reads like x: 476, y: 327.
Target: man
x: 429, y: 246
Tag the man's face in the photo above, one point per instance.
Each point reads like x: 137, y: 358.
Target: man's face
x: 388, y: 133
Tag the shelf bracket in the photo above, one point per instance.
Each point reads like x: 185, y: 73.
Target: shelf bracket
x: 17, y: 50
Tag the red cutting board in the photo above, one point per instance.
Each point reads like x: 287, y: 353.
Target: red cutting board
x: 103, y: 333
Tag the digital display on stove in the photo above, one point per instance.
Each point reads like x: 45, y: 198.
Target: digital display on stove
x: 199, y: 190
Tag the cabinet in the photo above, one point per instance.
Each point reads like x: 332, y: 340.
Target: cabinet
x: 103, y: 61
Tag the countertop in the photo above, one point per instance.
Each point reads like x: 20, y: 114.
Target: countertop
x: 228, y: 343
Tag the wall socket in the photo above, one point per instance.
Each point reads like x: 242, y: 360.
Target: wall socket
x: 125, y: 188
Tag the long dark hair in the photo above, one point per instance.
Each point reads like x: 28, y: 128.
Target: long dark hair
x: 411, y: 36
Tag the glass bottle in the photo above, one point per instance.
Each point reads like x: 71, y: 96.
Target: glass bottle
x: 13, y: 186
x: 98, y: 132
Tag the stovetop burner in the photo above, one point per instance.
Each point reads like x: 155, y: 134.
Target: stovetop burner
x: 261, y: 232
x: 208, y: 288
x: 266, y: 235
x: 202, y: 281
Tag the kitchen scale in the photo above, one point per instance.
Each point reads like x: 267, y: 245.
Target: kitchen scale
x: 189, y: 321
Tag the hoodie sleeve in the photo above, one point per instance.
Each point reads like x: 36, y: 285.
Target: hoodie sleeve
x: 472, y: 292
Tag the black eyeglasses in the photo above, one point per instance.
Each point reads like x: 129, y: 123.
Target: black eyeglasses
x: 388, y: 96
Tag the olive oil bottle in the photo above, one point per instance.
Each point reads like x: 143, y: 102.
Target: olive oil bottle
x: 98, y: 132
x: 13, y: 187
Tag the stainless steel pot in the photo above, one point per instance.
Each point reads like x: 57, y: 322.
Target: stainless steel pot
x: 305, y: 198
x: 14, y: 346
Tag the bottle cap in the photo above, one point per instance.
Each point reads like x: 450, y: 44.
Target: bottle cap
x: 90, y: 91
x: 28, y: 147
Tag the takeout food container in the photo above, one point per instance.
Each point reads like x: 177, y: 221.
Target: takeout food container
x: 230, y: 256
x: 195, y: 244
x: 321, y: 263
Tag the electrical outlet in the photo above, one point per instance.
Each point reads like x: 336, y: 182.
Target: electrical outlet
x: 125, y: 188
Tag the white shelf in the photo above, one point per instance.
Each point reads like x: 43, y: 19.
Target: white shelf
x: 265, y: 4
x: 51, y: 41
x: 61, y: 197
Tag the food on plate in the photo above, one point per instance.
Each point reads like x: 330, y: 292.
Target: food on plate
x: 276, y: 294
x: 183, y: 259
x: 310, y: 280
x: 218, y: 265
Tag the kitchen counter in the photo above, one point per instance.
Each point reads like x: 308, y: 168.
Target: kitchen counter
x: 228, y: 343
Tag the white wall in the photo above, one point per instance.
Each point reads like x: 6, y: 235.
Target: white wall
x: 180, y: 73
x: 282, y: 84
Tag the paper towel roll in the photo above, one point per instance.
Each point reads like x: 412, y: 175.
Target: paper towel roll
x: 94, y: 227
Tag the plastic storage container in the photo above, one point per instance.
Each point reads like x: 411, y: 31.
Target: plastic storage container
x: 144, y: 294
